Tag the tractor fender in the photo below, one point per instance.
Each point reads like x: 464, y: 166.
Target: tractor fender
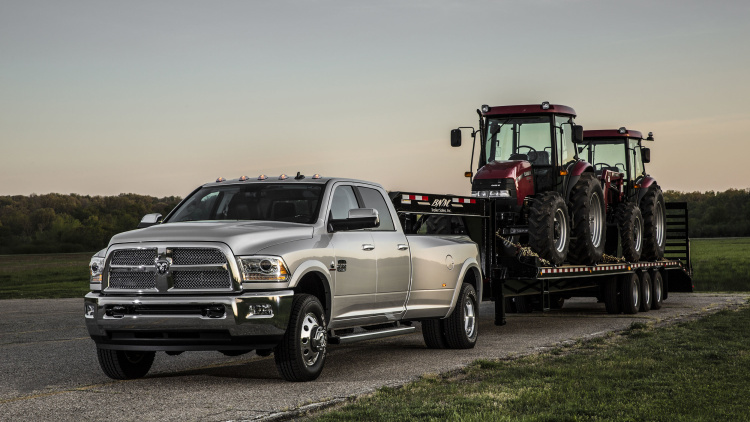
x: 575, y: 171
x: 646, y: 183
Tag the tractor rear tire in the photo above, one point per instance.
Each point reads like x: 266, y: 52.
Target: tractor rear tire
x: 630, y: 223
x: 587, y: 213
x: 654, y: 224
x: 549, y: 229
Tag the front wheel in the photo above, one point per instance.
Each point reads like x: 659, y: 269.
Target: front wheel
x: 302, y: 351
x: 630, y: 224
x: 462, y: 326
x: 123, y: 364
x: 587, y: 214
x: 549, y: 234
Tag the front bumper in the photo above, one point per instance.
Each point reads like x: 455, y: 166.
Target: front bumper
x: 254, y: 320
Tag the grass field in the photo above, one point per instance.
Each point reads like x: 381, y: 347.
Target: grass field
x: 692, y: 371
x: 44, y: 276
x: 721, y: 264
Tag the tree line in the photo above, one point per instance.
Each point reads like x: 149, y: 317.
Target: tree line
x: 55, y: 223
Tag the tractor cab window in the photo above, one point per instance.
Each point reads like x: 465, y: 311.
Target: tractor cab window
x: 609, y: 156
x: 637, y: 160
x: 566, y: 147
x: 519, y: 138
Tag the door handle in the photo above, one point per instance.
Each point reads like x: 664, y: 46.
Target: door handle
x: 368, y: 247
x: 402, y: 247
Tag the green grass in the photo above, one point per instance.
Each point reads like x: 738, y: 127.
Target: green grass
x: 44, y: 276
x: 721, y: 264
x: 693, y: 371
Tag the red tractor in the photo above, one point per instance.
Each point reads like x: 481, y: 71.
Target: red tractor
x: 541, y: 192
x: 634, y: 199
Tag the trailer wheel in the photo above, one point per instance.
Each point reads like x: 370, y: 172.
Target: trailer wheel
x: 630, y: 292
x: 611, y: 297
x: 588, y: 218
x: 523, y: 304
x: 549, y: 228
x: 302, y: 351
x: 646, y: 297
x: 462, y: 326
x: 657, y: 290
x: 654, y: 224
x: 630, y: 223
x: 123, y: 364
x: 433, y: 332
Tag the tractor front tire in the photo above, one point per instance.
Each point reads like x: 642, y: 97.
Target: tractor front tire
x: 630, y: 223
x: 587, y: 213
x: 549, y: 233
x: 654, y: 224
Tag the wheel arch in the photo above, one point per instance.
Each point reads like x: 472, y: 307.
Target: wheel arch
x: 312, y: 278
x: 574, y: 174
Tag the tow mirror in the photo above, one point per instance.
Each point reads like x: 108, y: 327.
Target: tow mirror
x: 456, y: 137
x: 577, y: 134
x: 149, y: 220
x: 359, y: 218
x: 646, y: 154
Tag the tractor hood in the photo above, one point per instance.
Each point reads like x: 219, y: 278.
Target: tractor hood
x: 504, y: 170
x: 243, y: 237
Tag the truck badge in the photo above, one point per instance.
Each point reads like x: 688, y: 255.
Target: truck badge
x: 162, y: 267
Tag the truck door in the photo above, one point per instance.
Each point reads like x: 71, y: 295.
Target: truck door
x: 355, y: 261
x: 392, y: 251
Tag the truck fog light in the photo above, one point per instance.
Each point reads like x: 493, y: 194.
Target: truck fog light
x: 263, y: 310
x: 89, y: 310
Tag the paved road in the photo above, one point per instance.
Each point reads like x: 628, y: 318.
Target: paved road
x: 49, y: 371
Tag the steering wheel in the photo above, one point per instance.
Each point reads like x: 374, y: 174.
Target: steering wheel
x: 602, y: 165
x: 532, y: 155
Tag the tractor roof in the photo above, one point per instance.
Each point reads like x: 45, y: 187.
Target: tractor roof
x: 612, y: 134
x: 536, y: 109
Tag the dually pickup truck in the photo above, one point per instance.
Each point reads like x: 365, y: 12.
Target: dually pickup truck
x: 283, y: 265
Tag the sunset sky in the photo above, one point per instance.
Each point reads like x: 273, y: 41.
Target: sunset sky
x: 157, y: 97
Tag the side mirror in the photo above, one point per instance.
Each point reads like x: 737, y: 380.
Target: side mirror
x: 456, y: 137
x: 149, y: 220
x: 577, y: 134
x: 646, y: 154
x: 359, y: 218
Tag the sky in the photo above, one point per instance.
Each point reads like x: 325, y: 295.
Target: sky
x: 158, y: 97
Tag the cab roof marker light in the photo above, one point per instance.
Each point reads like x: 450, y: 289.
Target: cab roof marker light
x: 243, y: 178
x: 486, y: 108
x: 220, y: 179
x: 545, y: 105
x: 316, y: 176
x: 622, y: 130
x: 283, y: 177
x: 262, y: 177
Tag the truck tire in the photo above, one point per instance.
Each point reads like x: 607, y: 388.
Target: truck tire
x: 549, y: 228
x: 630, y: 293
x: 654, y: 224
x: 657, y: 290
x: 611, y: 297
x: 123, y: 364
x: 587, y: 214
x: 646, y: 290
x: 302, y: 351
x: 462, y: 326
x: 630, y: 223
x: 433, y: 333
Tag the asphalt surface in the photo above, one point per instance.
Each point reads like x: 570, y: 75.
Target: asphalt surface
x: 49, y: 370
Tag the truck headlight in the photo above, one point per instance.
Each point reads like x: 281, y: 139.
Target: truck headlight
x: 96, y: 267
x: 262, y: 268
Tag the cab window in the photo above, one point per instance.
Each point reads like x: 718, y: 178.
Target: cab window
x: 343, y: 201
x: 373, y: 199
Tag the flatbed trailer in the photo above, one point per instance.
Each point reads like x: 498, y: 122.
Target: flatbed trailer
x: 513, y: 277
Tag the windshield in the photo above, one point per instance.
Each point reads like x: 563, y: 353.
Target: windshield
x: 519, y: 138
x: 297, y: 203
x: 609, y: 156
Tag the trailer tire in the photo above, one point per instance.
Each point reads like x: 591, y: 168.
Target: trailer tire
x: 433, y: 333
x: 611, y: 297
x: 630, y: 293
x: 654, y: 224
x: 657, y: 290
x: 302, y: 351
x: 461, y: 327
x: 549, y: 228
x: 630, y: 223
x: 646, y: 290
x: 587, y: 213
x: 523, y: 304
x: 124, y: 364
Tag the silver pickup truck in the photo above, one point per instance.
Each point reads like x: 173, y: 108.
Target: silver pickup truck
x: 286, y: 266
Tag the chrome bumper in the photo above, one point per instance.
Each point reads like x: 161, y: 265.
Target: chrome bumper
x: 254, y: 320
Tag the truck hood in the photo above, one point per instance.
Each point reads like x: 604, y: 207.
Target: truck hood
x: 243, y: 237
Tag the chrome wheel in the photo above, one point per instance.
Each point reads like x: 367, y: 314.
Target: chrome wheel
x: 636, y: 294
x: 560, y: 230
x: 313, y: 339
x: 596, y: 220
x: 657, y: 290
x: 470, y: 319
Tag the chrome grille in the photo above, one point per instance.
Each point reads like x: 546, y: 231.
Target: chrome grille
x: 197, y: 256
x: 135, y: 257
x: 201, y: 279
x: 132, y: 280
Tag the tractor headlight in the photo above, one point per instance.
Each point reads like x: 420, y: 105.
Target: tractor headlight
x: 491, y: 193
x: 262, y: 268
